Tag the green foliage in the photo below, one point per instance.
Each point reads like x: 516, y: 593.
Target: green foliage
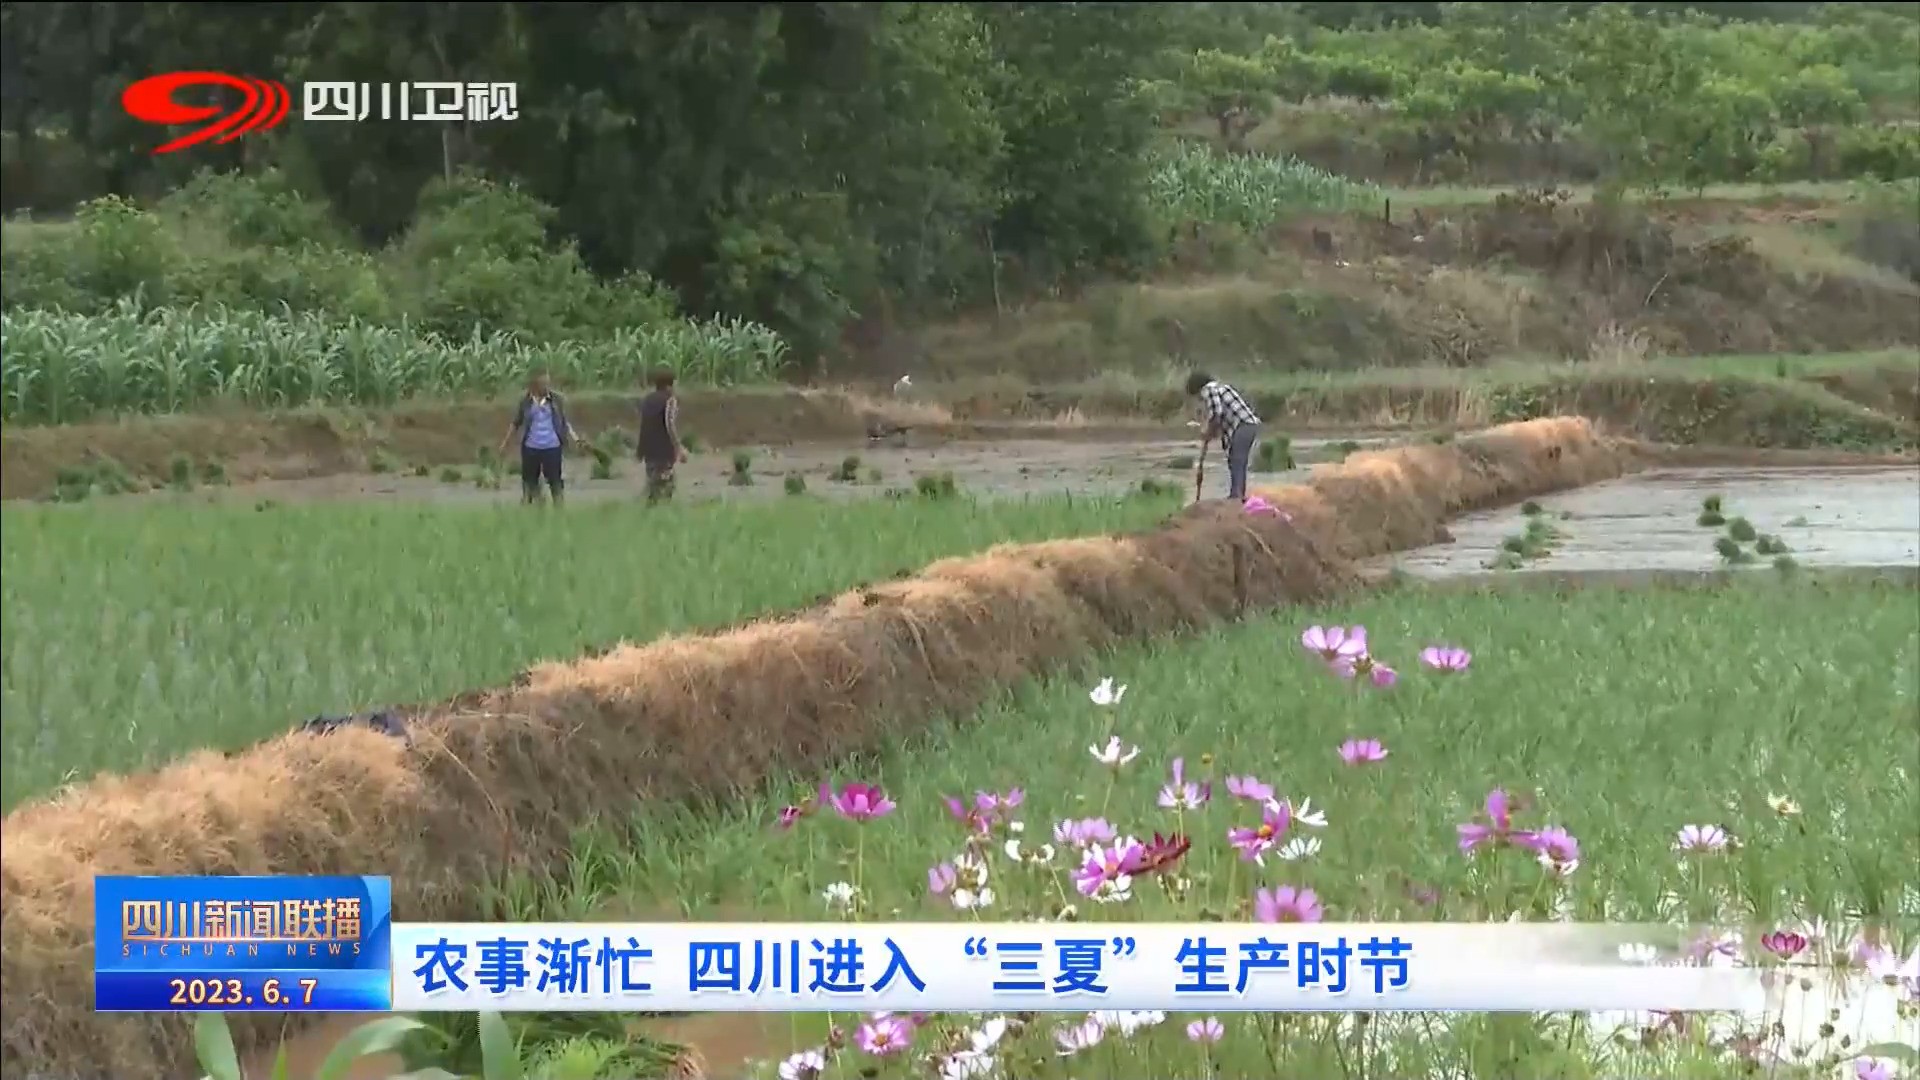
x: 1251, y: 192
x: 56, y: 367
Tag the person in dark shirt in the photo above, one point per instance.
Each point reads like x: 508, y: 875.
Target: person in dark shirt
x: 540, y: 420
x: 660, y: 448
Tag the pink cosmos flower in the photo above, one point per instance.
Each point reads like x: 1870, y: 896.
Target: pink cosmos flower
x: 1254, y: 843
x: 1498, y: 829
x: 1871, y: 1069
x: 1556, y: 848
x: 1362, y: 751
x: 885, y: 1035
x: 1784, y: 944
x: 790, y: 816
x: 1445, y: 658
x: 857, y: 802
x: 966, y: 815
x: 996, y: 805
x: 1377, y: 673
x: 1182, y: 794
x: 1256, y: 504
x: 1246, y: 787
x: 1082, y: 832
x: 1335, y: 642
x: 941, y: 879
x: 1701, y: 839
x: 1286, y: 904
x: 1209, y: 1030
x: 1108, y: 868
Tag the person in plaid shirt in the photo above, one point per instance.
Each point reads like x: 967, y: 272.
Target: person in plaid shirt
x: 1225, y: 415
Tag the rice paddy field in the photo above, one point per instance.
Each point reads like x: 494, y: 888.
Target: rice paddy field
x: 134, y: 634
x: 1743, y: 757
x: 1742, y: 753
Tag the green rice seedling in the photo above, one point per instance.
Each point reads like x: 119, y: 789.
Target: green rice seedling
x: 213, y: 474
x: 849, y: 470
x: 1769, y: 544
x: 1445, y: 742
x: 1710, y: 515
x: 180, y: 473
x: 690, y: 442
x: 423, y: 470
x: 450, y: 474
x: 379, y: 461
x: 1155, y: 488
x: 1742, y: 530
x: 1440, y: 438
x: 602, y: 468
x: 873, y: 475
x: 1274, y: 455
x: 126, y: 586
x: 1730, y: 551
x: 742, y: 475
x: 795, y: 484
x: 938, y: 485
x: 1180, y: 464
x: 1531, y: 508
x: 1340, y: 451
x: 1785, y: 563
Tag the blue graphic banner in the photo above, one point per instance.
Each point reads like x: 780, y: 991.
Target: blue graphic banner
x: 242, y: 944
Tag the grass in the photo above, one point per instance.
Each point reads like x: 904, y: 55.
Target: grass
x: 1694, y: 706
x: 132, y: 635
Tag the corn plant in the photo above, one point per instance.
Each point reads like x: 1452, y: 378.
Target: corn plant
x: 1250, y: 191
x: 57, y: 367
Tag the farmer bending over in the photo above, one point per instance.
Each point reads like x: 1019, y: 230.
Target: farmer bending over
x: 1227, y: 416
x: 660, y: 446
x: 540, y: 420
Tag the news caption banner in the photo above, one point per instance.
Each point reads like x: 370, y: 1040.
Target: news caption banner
x: 1014, y: 967
x: 243, y: 944
x: 240, y: 944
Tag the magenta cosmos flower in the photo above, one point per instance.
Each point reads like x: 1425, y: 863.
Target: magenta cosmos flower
x: 791, y: 815
x: 1335, y: 642
x: 1871, y: 1069
x: 856, y: 801
x: 1247, y: 787
x: 1496, y: 830
x: 884, y: 1036
x: 1181, y: 793
x: 1254, y: 843
x: 1445, y: 658
x: 1362, y: 751
x: 1784, y: 944
x: 1375, y: 672
x: 1286, y: 904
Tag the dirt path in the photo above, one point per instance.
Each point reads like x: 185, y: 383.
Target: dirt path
x: 1829, y: 517
x: 996, y: 469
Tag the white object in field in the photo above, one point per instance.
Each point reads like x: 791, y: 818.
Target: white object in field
x: 1193, y: 423
x: 903, y: 386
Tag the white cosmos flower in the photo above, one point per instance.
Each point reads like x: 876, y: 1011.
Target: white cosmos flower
x: 1783, y: 805
x: 970, y: 869
x: 1038, y: 855
x: 805, y: 1065
x: 1638, y: 953
x: 840, y: 896
x: 1114, y: 890
x: 1300, y: 847
x: 967, y: 1065
x: 1108, y: 694
x: 969, y: 900
x: 1127, y: 1023
x: 1115, y: 754
x: 1305, y: 814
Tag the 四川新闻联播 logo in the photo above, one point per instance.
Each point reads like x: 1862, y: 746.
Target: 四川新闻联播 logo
x: 263, y: 105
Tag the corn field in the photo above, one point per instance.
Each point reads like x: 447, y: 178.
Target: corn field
x: 1251, y: 191
x: 60, y: 367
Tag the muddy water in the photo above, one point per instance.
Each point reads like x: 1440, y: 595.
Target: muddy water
x: 1829, y: 517
x: 1002, y: 468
